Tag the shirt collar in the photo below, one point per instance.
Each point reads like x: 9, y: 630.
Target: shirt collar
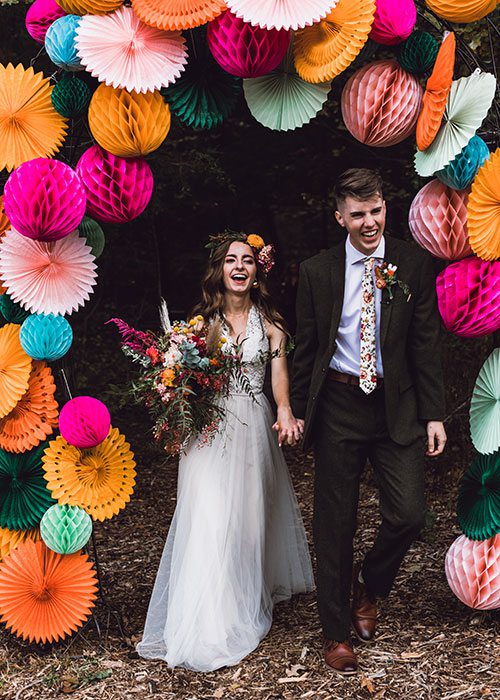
x: 353, y: 256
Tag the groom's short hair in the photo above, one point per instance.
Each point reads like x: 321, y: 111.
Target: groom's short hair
x: 359, y: 183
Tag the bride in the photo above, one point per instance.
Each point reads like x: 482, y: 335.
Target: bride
x: 236, y: 545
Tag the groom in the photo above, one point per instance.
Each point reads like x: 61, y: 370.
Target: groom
x: 367, y: 380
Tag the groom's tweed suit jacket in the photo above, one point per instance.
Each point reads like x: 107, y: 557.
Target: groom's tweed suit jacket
x: 409, y: 337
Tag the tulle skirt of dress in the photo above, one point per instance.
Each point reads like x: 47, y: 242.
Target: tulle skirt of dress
x: 235, y: 547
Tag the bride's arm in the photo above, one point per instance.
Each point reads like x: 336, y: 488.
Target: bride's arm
x: 289, y: 429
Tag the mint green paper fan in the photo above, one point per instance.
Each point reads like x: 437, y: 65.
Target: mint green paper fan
x: 65, y: 529
x: 468, y: 104
x: 281, y: 100
x: 478, y: 507
x: 485, y: 406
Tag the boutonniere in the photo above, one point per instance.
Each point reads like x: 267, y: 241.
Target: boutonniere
x: 386, y: 277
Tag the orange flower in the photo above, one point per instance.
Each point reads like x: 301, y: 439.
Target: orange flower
x: 255, y: 241
x: 168, y: 377
x: 214, y: 362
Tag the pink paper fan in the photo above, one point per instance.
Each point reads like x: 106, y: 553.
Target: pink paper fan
x: 44, y: 199
x: 281, y: 14
x: 381, y: 103
x: 84, y: 422
x: 469, y: 297
x: 118, y: 189
x: 46, y: 278
x: 438, y: 221
x: 473, y: 572
x: 394, y: 21
x: 40, y: 16
x: 244, y: 50
x: 122, y: 51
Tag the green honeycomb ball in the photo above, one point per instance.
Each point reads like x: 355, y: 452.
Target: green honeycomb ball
x: 65, y: 529
x: 70, y: 97
x: 92, y: 231
x: 418, y: 53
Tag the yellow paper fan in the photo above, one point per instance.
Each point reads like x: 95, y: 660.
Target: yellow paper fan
x: 462, y: 11
x: 15, y: 368
x: 483, y: 212
x: 10, y: 539
x: 89, y: 7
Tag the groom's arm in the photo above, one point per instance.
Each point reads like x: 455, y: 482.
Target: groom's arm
x: 306, y: 344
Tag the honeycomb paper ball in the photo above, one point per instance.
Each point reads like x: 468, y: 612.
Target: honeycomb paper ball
x: 394, y: 21
x: 473, y: 572
x: 90, y: 7
x: 117, y: 189
x: 84, y: 422
x: 46, y: 337
x: 11, y: 310
x: 461, y: 172
x: 60, y: 43
x: 65, y: 529
x: 94, y: 235
x: 40, y: 16
x: 469, y: 297
x: 126, y: 123
x: 462, y: 10
x: 243, y: 49
x: 438, y: 221
x: 418, y: 53
x: 380, y: 103
x: 70, y: 97
x: 44, y: 199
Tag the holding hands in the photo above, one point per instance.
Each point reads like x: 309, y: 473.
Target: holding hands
x: 289, y: 428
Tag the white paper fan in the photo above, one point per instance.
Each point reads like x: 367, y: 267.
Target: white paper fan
x: 485, y: 406
x: 468, y: 103
x: 281, y: 14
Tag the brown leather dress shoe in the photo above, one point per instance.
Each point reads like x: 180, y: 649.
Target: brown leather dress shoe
x: 340, y: 657
x: 364, y: 609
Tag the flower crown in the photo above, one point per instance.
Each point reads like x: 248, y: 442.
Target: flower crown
x: 264, y: 254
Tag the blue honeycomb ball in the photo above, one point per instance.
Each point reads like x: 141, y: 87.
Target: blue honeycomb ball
x: 460, y: 173
x: 60, y: 43
x: 46, y: 337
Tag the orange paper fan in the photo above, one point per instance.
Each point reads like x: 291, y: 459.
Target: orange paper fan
x: 15, y: 368
x: 462, y: 11
x: 325, y: 49
x: 44, y: 596
x: 35, y: 415
x: 177, y: 14
x: 483, y: 212
x: 436, y: 93
x: 10, y: 539
x: 99, y: 480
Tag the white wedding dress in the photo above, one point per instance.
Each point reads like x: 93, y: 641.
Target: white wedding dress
x: 236, y: 544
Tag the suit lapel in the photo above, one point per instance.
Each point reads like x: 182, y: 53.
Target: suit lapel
x: 337, y: 287
x: 391, y: 256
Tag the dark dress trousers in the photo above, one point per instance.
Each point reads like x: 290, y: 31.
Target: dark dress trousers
x: 347, y: 427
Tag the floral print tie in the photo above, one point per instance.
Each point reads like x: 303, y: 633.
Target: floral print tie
x: 368, y: 356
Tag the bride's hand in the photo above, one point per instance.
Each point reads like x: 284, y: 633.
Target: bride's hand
x: 289, y: 429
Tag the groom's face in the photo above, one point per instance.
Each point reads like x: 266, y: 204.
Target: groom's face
x: 364, y: 221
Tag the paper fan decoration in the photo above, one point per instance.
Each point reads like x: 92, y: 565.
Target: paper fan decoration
x: 24, y: 496
x: 438, y: 221
x: 4, y: 219
x: 40, y: 16
x: 469, y: 297
x: 394, y: 21
x: 70, y: 96
x: 478, y: 507
x: 473, y: 572
x: 178, y: 14
x: 436, y: 93
x: 118, y: 189
x: 34, y: 417
x: 460, y: 173
x: 126, y: 123
x: 100, y: 480
x: 44, y: 199
x: 281, y: 14
x: 46, y: 337
x: 484, y: 210
x: 485, y: 406
x: 462, y: 10
x: 93, y: 234
x: 15, y: 367
x: 90, y: 7
x: 418, y: 53
x: 10, y: 539
x: 29, y: 125
x: 281, y: 100
x: 122, y: 51
x: 380, y: 103
x: 468, y: 104
x: 245, y: 50
x: 60, y: 43
x: 84, y: 422
x: 45, y: 596
x: 56, y: 277
x: 65, y: 529
x: 11, y: 311
x: 327, y: 48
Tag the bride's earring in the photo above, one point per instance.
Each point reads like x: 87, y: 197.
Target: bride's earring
x: 255, y: 283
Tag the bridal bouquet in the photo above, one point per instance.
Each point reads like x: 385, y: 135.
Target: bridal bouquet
x: 184, y: 373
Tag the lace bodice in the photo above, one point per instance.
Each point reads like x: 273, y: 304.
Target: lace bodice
x: 255, y: 346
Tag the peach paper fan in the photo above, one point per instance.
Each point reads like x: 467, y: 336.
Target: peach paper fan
x: 281, y: 14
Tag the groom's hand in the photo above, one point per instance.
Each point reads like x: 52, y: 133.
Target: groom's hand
x: 436, y: 438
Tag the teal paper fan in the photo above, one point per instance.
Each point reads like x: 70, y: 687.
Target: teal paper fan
x: 11, y: 310
x: 485, y: 406
x: 24, y: 496
x: 65, y: 529
x: 479, y: 498
x: 281, y: 100
x: 94, y: 235
x: 205, y: 95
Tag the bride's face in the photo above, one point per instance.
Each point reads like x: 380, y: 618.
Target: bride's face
x: 240, y: 268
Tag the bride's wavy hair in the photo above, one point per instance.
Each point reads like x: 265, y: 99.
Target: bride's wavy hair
x: 211, y: 304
